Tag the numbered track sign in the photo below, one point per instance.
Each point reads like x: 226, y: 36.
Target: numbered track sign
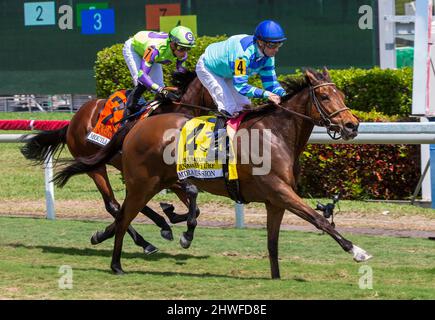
x: 88, y: 6
x: 99, y: 21
x: 154, y: 11
x: 169, y: 22
x: 39, y: 13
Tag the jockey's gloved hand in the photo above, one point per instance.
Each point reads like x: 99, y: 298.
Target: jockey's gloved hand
x: 169, y: 95
x: 276, y: 99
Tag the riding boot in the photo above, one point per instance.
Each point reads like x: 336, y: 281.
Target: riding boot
x: 133, y: 98
x: 219, y: 134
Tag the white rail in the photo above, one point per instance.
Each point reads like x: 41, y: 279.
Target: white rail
x: 368, y: 133
x: 48, y: 173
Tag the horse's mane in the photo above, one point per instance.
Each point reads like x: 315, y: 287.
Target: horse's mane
x: 292, y: 85
x: 296, y: 84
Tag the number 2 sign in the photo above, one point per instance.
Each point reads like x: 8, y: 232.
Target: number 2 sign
x: 39, y: 13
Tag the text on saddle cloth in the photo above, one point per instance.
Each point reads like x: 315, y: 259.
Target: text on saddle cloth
x: 109, y: 120
x: 196, y: 156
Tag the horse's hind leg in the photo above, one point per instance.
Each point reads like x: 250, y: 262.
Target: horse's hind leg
x: 187, y: 237
x: 179, y: 189
x: 101, y: 180
x: 165, y: 229
x: 133, y: 202
x: 109, y: 232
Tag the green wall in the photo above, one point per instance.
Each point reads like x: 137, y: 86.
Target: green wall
x: 47, y: 60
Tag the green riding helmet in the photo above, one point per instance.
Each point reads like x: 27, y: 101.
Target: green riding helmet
x: 182, y: 36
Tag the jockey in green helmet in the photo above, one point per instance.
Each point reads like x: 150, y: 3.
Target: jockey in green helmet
x: 145, y: 53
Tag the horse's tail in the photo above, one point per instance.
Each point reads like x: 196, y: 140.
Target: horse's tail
x: 88, y: 164
x: 44, y: 144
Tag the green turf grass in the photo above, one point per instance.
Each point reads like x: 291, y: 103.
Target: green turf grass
x: 221, y: 264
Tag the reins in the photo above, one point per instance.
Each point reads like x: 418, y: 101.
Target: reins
x: 183, y: 104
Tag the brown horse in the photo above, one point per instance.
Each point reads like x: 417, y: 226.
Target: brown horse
x: 312, y: 100
x: 47, y: 143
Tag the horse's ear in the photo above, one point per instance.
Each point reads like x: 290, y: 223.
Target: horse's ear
x: 326, y: 74
x: 311, y: 77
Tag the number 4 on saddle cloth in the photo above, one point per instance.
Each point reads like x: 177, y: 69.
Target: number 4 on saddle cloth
x: 109, y: 119
x: 197, y: 158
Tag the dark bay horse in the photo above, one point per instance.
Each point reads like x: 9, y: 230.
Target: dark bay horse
x: 47, y: 143
x: 312, y: 100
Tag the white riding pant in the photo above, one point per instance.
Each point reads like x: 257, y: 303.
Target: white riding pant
x: 222, y: 90
x: 134, y: 61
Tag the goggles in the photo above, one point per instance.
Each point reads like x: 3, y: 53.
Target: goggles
x: 181, y: 48
x: 274, y: 45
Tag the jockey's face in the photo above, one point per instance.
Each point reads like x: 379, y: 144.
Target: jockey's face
x: 179, y: 52
x: 269, y: 49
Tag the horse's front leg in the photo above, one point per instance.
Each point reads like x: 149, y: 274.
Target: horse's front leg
x: 285, y: 197
x: 187, y: 237
x: 274, y: 219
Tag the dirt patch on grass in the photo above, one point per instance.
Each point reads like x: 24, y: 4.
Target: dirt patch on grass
x: 222, y: 215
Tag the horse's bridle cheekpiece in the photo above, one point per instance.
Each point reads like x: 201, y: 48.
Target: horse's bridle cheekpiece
x: 325, y: 117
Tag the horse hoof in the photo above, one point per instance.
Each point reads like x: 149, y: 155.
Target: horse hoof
x: 360, y: 255
x: 150, y: 249
x: 167, y: 235
x: 94, y: 238
x: 167, y: 207
x: 184, y: 242
x: 117, y: 271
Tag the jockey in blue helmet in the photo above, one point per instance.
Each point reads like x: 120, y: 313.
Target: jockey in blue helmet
x: 225, y: 67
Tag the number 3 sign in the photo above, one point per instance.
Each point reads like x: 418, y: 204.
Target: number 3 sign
x: 100, y: 21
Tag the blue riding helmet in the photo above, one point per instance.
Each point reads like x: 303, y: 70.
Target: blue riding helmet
x: 269, y: 31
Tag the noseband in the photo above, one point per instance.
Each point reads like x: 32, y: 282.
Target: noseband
x: 325, y: 118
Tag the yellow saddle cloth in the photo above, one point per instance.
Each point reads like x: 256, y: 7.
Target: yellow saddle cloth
x: 194, y: 158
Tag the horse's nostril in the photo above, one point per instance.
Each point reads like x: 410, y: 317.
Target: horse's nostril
x: 351, y: 126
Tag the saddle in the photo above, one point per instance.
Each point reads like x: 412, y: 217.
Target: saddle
x: 109, y: 119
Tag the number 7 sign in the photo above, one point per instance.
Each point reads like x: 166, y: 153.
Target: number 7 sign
x: 153, y: 12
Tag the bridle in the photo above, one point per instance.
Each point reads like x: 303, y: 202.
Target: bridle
x: 333, y: 130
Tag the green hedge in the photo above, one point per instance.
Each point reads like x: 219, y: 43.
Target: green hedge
x: 387, y: 91
x: 360, y: 171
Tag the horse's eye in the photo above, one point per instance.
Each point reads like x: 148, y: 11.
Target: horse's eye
x: 324, y: 97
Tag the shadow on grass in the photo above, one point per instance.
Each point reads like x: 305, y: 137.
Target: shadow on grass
x: 88, y: 252
x: 172, y: 273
